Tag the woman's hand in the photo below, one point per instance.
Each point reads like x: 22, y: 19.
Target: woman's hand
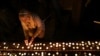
x: 26, y: 42
x: 32, y: 39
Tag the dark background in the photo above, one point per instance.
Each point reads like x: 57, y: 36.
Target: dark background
x: 66, y: 20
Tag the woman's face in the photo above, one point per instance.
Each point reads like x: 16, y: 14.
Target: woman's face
x: 25, y: 17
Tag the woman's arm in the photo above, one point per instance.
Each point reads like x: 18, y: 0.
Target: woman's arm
x: 40, y: 27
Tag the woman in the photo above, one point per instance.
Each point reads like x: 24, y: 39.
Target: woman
x: 32, y: 26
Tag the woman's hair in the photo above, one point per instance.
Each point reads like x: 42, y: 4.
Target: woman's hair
x: 24, y: 12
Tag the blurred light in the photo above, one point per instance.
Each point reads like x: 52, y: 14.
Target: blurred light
x: 47, y: 47
x: 53, y: 54
x: 63, y: 48
x: 89, y: 54
x: 73, y: 47
x: 73, y: 43
x: 32, y: 54
x: 76, y: 54
x: 49, y: 53
x: 83, y: 48
x: 13, y: 43
x: 51, y: 46
x: 96, y: 42
x: 66, y: 54
x: 28, y: 47
x: 91, y: 48
x: 44, y: 44
x: 22, y: 47
x: 77, y: 44
x: 19, y: 53
x: 17, y: 47
x: 59, y: 45
x: 82, y: 42
x: 98, y: 47
x: 63, y: 43
x: 77, y: 47
x: 40, y: 43
x: 66, y: 44
x: 42, y: 53
x: 69, y: 45
x: 57, y: 53
x: 8, y: 54
x: 32, y: 45
x: 50, y: 43
x: 40, y: 48
x: 4, y: 53
x: 24, y: 53
x: 99, y: 43
x: 18, y: 44
x: 4, y: 43
x: 36, y: 53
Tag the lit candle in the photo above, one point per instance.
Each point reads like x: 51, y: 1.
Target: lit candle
x: 24, y: 53
x: 31, y: 45
x: 89, y: 54
x: 28, y: 47
x: 73, y: 47
x: 63, y: 48
x: 8, y: 54
x: 76, y: 54
x: 44, y: 44
x: 96, y: 42
x: 83, y: 48
x: 66, y: 54
x: 19, y: 53
x: 82, y: 42
x: 4, y: 53
x: 98, y: 47
x: 47, y: 47
x: 73, y: 43
x: 34, y: 47
x: 22, y: 47
x: 4, y: 43
x: 13, y: 43
x: 99, y: 43
x: 89, y: 43
x: 63, y: 43
x: 36, y: 53
x: 77, y: 47
x: 77, y: 44
x: 42, y: 53
x: 69, y: 45
x: 59, y: 45
x: 51, y: 46
x: 49, y: 54
x: 53, y: 55
x: 17, y: 47
x: 32, y: 54
x: 40, y: 48
x: 57, y: 53
x: 66, y: 44
x: 91, y: 48
x: 18, y: 44
x: 40, y: 43
x: 50, y: 43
